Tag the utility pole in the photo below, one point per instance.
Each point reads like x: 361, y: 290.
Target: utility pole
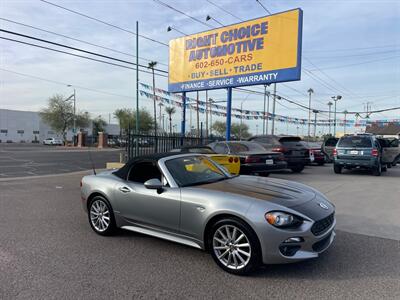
x: 329, y: 116
x: 265, y: 100
x: 137, y: 90
x: 315, y: 121
x: 211, y: 123
x: 310, y: 91
x: 151, y: 66
x: 74, y: 117
x: 206, y: 115
x: 273, y: 110
x: 335, y: 98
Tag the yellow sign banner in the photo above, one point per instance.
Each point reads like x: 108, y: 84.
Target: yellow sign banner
x: 259, y: 51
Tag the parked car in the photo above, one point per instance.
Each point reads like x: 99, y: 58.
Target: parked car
x: 293, y: 148
x: 390, y: 151
x: 52, y: 141
x: 254, y: 159
x: 230, y: 162
x: 243, y: 221
x: 316, y: 154
x: 327, y: 148
x: 361, y: 151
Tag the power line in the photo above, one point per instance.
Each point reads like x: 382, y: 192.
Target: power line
x: 103, y: 22
x: 223, y: 9
x: 77, y: 55
x: 262, y: 5
x: 65, y: 84
x: 355, y: 64
x: 183, y: 13
x: 77, y: 49
x: 78, y: 40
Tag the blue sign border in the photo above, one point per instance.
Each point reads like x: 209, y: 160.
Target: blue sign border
x: 283, y: 75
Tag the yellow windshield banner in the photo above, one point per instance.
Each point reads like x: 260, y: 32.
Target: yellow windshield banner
x: 259, y: 51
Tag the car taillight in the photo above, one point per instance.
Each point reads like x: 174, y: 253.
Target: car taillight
x: 236, y: 160
x: 230, y: 159
x: 374, y: 152
x: 279, y: 149
x: 252, y: 159
x: 334, y: 152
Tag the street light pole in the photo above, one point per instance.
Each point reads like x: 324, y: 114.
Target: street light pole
x: 315, y: 121
x: 344, y: 124
x: 265, y: 100
x: 310, y: 91
x: 329, y: 116
x: 335, y: 98
x: 211, y: 124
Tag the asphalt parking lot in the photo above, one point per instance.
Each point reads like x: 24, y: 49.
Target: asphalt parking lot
x: 49, y: 251
x: 17, y: 160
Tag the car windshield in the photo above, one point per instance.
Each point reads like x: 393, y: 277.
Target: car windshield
x: 355, y: 142
x: 201, y: 150
x: 194, y: 170
x: 245, y: 147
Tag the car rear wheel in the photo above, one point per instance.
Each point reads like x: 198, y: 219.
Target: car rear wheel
x: 234, y: 246
x: 101, y: 216
x: 389, y: 166
x: 337, y: 169
x: 297, y: 169
x: 377, y: 171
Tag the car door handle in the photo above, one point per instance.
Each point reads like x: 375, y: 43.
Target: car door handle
x: 124, y: 189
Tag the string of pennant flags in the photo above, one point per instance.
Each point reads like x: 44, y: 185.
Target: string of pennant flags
x: 166, y: 97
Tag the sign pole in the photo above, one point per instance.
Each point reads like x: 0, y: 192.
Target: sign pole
x: 228, y: 114
x: 183, y: 114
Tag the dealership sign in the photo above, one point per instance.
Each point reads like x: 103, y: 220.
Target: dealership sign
x: 259, y: 51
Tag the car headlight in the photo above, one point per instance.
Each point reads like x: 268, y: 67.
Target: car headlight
x: 281, y: 219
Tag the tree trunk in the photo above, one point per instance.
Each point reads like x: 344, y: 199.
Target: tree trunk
x: 170, y: 124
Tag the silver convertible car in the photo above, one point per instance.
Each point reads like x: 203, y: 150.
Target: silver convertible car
x: 243, y: 221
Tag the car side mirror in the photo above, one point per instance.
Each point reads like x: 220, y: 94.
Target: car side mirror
x: 154, y: 184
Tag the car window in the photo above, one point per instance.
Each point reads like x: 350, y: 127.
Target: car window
x: 188, y: 171
x: 238, y: 147
x: 143, y: 171
x: 355, y: 142
x: 221, y: 148
x: 331, y: 142
x: 266, y: 140
x: 394, y: 143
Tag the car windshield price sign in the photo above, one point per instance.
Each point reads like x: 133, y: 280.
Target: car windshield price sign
x: 260, y: 51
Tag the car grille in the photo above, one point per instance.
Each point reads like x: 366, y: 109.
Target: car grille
x: 322, y: 244
x: 323, y: 225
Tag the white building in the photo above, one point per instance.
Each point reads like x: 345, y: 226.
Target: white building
x: 27, y: 126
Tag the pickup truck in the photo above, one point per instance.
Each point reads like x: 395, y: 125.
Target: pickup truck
x: 390, y: 151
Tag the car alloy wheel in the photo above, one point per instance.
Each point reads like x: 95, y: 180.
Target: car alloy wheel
x: 100, y: 216
x: 231, y: 247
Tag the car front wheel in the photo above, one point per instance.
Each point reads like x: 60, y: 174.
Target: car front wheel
x: 377, y: 171
x: 234, y: 246
x: 101, y: 216
x: 297, y: 169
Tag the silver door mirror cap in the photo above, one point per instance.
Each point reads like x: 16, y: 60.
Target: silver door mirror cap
x: 153, y: 184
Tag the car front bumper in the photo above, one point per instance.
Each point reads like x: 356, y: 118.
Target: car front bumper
x: 273, y: 246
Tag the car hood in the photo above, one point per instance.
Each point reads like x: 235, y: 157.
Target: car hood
x: 282, y: 192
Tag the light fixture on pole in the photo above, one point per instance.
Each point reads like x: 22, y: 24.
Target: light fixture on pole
x: 329, y: 116
x: 170, y: 28
x: 310, y: 91
x: 335, y: 98
x: 208, y: 18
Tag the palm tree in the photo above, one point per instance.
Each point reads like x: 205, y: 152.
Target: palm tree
x: 170, y: 110
x: 151, y: 66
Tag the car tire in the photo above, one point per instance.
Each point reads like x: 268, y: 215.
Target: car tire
x: 384, y: 168
x: 297, y: 169
x: 377, y: 171
x: 337, y: 169
x: 389, y: 166
x: 99, y: 210
x: 239, y: 252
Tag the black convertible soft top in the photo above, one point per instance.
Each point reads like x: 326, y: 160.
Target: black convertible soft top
x: 123, y: 172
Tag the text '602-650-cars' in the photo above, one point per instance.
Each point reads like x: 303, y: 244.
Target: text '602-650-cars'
x: 243, y: 221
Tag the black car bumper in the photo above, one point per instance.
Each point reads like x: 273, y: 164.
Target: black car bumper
x: 262, y: 167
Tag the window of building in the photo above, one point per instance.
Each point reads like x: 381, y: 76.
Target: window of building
x: 20, y: 131
x: 36, y: 132
x: 50, y: 132
x: 3, y: 131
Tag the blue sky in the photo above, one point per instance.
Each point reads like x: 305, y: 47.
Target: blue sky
x: 356, y: 44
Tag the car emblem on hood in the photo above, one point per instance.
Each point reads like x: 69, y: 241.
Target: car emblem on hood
x: 323, y: 205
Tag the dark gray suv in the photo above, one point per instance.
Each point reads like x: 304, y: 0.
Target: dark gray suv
x: 358, y: 151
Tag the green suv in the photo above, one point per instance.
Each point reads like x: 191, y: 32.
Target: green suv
x: 358, y: 151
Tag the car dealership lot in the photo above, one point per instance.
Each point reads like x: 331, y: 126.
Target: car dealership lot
x: 48, y: 249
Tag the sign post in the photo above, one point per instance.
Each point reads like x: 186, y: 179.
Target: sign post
x: 183, y: 124
x: 228, y: 114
